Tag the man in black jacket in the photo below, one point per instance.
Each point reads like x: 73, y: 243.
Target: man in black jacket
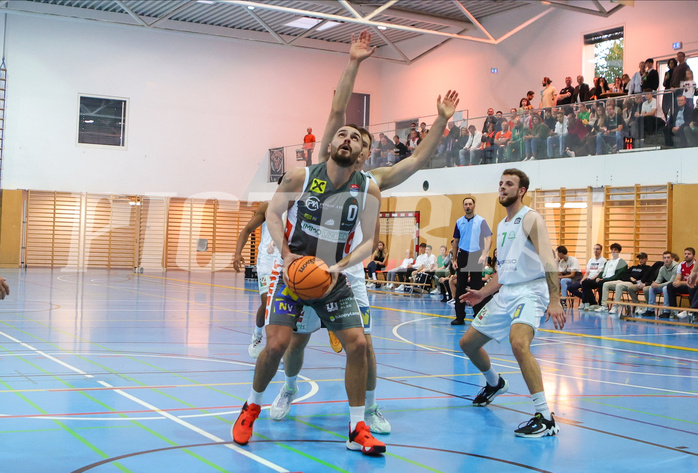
x: 632, y: 281
x: 650, y: 80
x: 581, y: 92
x: 674, y: 130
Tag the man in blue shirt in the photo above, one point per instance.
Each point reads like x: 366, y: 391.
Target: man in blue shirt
x: 472, y: 238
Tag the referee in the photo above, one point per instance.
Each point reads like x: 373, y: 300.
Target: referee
x: 472, y: 238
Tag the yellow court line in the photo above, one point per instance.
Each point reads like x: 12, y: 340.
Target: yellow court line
x: 196, y: 282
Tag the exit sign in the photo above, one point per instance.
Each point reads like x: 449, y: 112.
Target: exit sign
x: 494, y: 70
x: 678, y: 45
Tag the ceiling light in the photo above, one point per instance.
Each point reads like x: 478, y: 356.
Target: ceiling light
x: 206, y: 2
x: 382, y: 28
x: 328, y: 25
x: 306, y: 23
x: 575, y: 205
x: 552, y: 205
x: 250, y: 7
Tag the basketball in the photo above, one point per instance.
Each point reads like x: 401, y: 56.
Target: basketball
x: 308, y: 277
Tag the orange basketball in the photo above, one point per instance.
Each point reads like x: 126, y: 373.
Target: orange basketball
x: 308, y: 277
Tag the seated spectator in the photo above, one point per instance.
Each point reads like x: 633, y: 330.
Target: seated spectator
x: 593, y: 270
x: 602, y: 87
x: 383, y: 152
x: 612, y: 271
x: 513, y: 117
x: 490, y: 268
x: 424, y: 267
x: 583, y: 113
x: 490, y: 118
x: 486, y: 149
x: 460, y: 145
x: 469, y: 152
x: 679, y: 285
x: 631, y: 281
x: 691, y: 131
x: 648, y: 115
x: 515, y: 147
x: 401, y: 270
x: 501, y: 140
x: 550, y: 118
x: 576, y: 133
x: 535, y: 142
x: 569, y: 268
x: 400, y: 151
x: 448, y: 282
x: 450, y: 141
x: 665, y: 277
x: 413, y: 142
x: 418, y: 262
x: 556, y: 140
x: 617, y: 86
x: 625, y: 80
x: 596, y: 125
x: 499, y: 116
x: 423, y: 130
x: 379, y: 259
x: 634, y: 123
x: 610, y: 135
x: 443, y: 272
x: 674, y: 132
x: 692, y: 282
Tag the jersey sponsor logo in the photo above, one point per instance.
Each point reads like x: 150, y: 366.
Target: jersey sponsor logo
x: 330, y: 222
x: 312, y: 203
x: 318, y: 186
x: 332, y: 307
x: 344, y: 315
x: 325, y: 234
x: 284, y: 305
x: 366, y: 315
x: 517, y: 220
x: 354, y: 190
x: 310, y: 217
x: 517, y: 311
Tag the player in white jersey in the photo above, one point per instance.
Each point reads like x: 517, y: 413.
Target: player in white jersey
x: 527, y: 282
x: 385, y: 177
x: 266, y: 254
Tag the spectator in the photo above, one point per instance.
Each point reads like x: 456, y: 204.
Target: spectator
x: 566, y: 93
x: 689, y: 88
x: 650, y: 80
x: 379, y: 259
x: 400, y: 151
x: 648, y: 114
x: 679, y: 284
x: 679, y: 73
x: 528, y: 100
x: 516, y: 143
x: 548, y: 96
x: 576, y: 133
x: 490, y: 268
x: 450, y: 141
x: 612, y: 271
x: 666, y: 98
x: 309, y: 146
x: 472, y: 239
x: 470, y: 149
x: 423, y: 130
x: 490, y: 118
x: 600, y: 89
x: 634, y: 122
x: 499, y: 117
x: 413, y: 142
x: 583, y: 113
x: 581, y: 91
x: 383, y: 152
x: 425, y: 265
x: 664, y: 278
x: 443, y: 270
x: 556, y: 140
x: 486, y: 145
x: 513, y: 117
x: 631, y: 281
x: 611, y: 131
x: 636, y: 82
x: 550, y: 118
x: 617, y: 86
x: 401, y: 270
x: 693, y: 293
x: 626, y: 83
x: 461, y: 143
x: 691, y: 131
x: 534, y: 142
x: 674, y: 134
x: 593, y: 270
x: 501, y: 140
x: 569, y: 268
x: 448, y: 282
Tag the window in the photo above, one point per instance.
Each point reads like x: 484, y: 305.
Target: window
x: 604, y: 51
x: 102, y: 121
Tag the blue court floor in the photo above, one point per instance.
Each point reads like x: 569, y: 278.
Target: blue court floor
x: 107, y: 371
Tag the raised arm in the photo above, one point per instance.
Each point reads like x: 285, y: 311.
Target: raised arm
x: 392, y: 176
x: 534, y: 225
x: 360, y: 50
x: 289, y: 190
x: 256, y: 220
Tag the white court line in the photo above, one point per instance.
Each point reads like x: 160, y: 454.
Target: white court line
x: 623, y: 350
x: 181, y: 422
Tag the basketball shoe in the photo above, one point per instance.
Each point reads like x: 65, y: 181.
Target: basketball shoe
x: 361, y: 439
x: 242, y: 430
x: 256, y: 346
x: 488, y: 393
x: 538, y: 426
x: 282, y: 404
x: 376, y: 422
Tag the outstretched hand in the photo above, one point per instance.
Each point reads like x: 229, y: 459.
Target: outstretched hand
x: 448, y: 107
x: 361, y: 48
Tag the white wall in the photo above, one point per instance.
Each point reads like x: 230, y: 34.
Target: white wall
x: 203, y: 110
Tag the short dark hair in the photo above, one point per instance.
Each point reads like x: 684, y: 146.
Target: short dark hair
x: 598, y: 244
x: 523, y: 178
x: 364, y: 131
x: 616, y: 246
x: 469, y: 197
x: 667, y: 252
x: 642, y: 255
x: 691, y: 249
x: 422, y: 245
x: 650, y: 60
x: 562, y: 249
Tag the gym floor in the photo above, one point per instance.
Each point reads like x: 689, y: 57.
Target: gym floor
x: 108, y: 370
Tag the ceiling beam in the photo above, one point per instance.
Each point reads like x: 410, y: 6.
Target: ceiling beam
x: 173, y: 12
x: 523, y: 25
x: 265, y: 25
x: 380, y: 9
x: 133, y: 14
x: 472, y: 19
x: 360, y: 21
x: 308, y: 31
x: 599, y: 6
x: 567, y: 6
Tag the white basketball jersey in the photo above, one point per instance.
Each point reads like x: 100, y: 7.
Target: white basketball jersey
x: 517, y: 258
x: 265, y: 260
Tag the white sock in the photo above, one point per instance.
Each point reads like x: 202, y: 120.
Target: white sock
x: 356, y: 415
x: 541, y: 404
x: 255, y: 398
x: 370, y: 398
x: 291, y: 383
x: 491, y: 376
x: 258, y: 330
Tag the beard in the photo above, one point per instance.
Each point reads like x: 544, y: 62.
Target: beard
x: 508, y: 201
x: 344, y: 160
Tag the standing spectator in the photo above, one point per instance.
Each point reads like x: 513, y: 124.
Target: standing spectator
x: 650, y: 80
x: 636, y: 81
x: 679, y: 285
x: 630, y: 281
x: 665, y: 277
x: 528, y: 100
x: 581, y: 91
x: 566, y: 93
x: 548, y: 96
x: 674, y: 131
x: 666, y: 98
x: 472, y: 239
x: 379, y: 259
x: 612, y: 271
x: 593, y: 270
x: 569, y: 268
x: 535, y: 142
x: 400, y: 151
x: 558, y: 138
x: 679, y: 73
x: 401, y: 270
x: 689, y: 88
x: 309, y: 146
x: 625, y: 80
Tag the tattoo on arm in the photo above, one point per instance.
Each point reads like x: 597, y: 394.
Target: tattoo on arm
x: 552, y: 280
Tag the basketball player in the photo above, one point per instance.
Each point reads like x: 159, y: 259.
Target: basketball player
x: 527, y: 282
x: 267, y: 252
x: 325, y: 203
x: 385, y: 177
